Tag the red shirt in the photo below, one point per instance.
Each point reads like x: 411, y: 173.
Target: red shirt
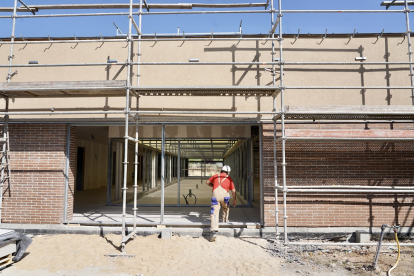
x: 226, y: 183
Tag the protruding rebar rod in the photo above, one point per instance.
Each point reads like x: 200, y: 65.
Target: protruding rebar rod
x: 410, y: 53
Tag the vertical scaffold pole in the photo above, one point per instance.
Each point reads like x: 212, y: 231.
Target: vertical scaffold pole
x: 274, y: 126
x: 127, y: 112
x: 410, y: 53
x: 162, y: 172
x: 282, y: 106
x: 178, y: 172
x: 261, y: 173
x: 4, y: 159
x: 139, y: 41
x: 135, y: 209
x: 14, y: 16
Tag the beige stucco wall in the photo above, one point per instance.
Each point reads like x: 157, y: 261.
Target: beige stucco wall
x: 304, y: 49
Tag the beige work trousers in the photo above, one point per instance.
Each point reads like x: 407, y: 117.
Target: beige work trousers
x: 219, y: 197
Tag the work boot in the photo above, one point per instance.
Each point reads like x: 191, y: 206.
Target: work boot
x: 213, y: 236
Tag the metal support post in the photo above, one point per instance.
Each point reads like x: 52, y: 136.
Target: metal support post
x: 14, y: 16
x: 127, y: 113
x: 261, y: 173
x: 162, y: 172
x: 144, y: 168
x: 109, y: 174
x: 66, y: 182
x: 4, y: 159
x: 178, y: 173
x: 139, y: 42
x: 280, y: 15
x: 274, y: 127
x: 135, y: 209
x: 383, y: 227
x: 410, y: 53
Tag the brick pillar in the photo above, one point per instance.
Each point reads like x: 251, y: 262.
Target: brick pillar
x: 37, y: 159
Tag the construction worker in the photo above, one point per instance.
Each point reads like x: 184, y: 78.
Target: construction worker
x: 221, y: 184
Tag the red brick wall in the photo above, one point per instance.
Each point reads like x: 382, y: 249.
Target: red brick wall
x: 37, y: 158
x: 341, y: 163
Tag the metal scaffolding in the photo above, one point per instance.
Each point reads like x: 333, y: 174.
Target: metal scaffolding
x: 128, y: 90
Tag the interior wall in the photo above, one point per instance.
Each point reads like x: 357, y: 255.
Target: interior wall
x: 95, y: 142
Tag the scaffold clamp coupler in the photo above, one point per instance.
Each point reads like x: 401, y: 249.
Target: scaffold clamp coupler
x: 407, y: 10
x: 280, y: 15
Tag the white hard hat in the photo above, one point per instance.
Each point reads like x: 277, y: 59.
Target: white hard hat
x: 226, y: 168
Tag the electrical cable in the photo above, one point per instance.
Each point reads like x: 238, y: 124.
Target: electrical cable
x: 398, y: 258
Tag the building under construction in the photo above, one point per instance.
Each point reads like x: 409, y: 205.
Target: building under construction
x: 318, y: 129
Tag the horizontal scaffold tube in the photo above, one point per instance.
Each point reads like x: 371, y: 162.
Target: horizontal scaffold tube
x: 98, y: 40
x: 135, y: 112
x: 134, y: 13
x: 351, y: 139
x: 353, y: 187
x: 342, y: 11
x: 137, y: 6
x: 349, y: 87
x: 150, y: 38
x: 349, y: 191
x: 263, y: 63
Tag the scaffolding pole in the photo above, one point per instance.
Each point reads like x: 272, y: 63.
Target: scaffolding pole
x: 4, y: 163
x: 162, y: 173
x: 14, y: 16
x: 136, y: 163
x: 410, y: 53
x: 276, y: 184
x: 204, y: 64
x: 282, y: 105
x: 127, y: 113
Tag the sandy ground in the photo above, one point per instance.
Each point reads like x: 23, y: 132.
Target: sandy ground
x: 86, y: 255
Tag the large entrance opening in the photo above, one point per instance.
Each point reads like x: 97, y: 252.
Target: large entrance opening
x: 192, y: 155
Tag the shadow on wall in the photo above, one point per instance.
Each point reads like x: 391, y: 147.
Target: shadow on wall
x: 362, y: 70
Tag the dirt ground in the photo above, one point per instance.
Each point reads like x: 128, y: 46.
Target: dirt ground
x: 86, y: 255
